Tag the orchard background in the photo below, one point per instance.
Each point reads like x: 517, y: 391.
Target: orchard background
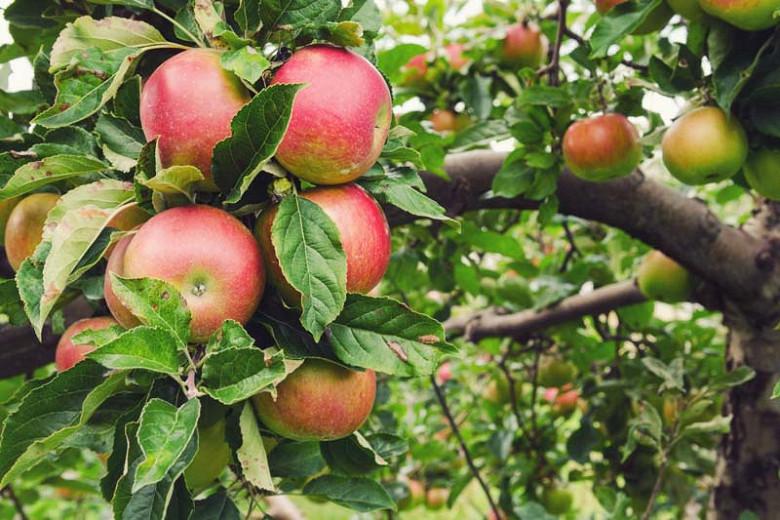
x: 577, y: 319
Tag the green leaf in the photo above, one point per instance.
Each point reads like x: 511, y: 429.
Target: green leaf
x: 394, y: 190
x: 359, y: 494
x: 121, y: 141
x: 175, y: 180
x: 257, y: 130
x: 50, y: 413
x: 251, y: 454
x: 352, y: 455
x: 736, y: 377
x: 717, y: 425
x: 141, y: 4
x: 164, y: 432
x: 232, y: 335
x: 297, y: 13
x: 491, y: 241
x: 142, y: 347
x: 247, y: 63
x: 311, y: 258
x: 386, y: 336
x: 218, y: 506
x: 248, y: 16
x: 672, y: 375
x: 618, y: 22
x: 22, y: 102
x: 296, y: 459
x: 235, y: 374
x: 37, y: 174
x: 391, y: 61
x: 776, y: 391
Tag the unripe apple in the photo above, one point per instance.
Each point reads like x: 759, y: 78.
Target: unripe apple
x: 661, y: 278
x: 211, y: 459
x: 705, y: 145
x: 68, y: 353
x: 364, y: 233
x: 24, y: 229
x: 443, y: 120
x: 749, y: 15
x: 206, y: 254
x: 340, y: 119
x: 6, y: 207
x: 655, y: 21
x: 321, y: 400
x: 189, y: 102
x: 557, y: 501
x: 436, y: 498
x: 416, y: 495
x: 497, y: 390
x: 554, y: 372
x: 603, y: 147
x: 688, y: 9
x: 762, y: 172
x: 524, y: 46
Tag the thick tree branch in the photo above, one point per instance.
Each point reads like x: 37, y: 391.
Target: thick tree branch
x: 519, y: 325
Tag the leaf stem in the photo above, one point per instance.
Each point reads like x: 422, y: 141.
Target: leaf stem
x: 181, y: 27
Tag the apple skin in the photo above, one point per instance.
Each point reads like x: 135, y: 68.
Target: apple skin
x: 24, y: 229
x: 319, y: 401
x: 455, y: 57
x: 189, y: 102
x: 762, y: 172
x: 704, y: 146
x: 415, y: 71
x: 443, y: 120
x: 436, y: 498
x: 602, y: 147
x: 206, y: 254
x: 67, y: 353
x: 211, y: 459
x: 555, y: 373
x: 524, y: 46
x: 365, y: 237
x: 444, y: 373
x: 656, y: 21
x: 749, y: 15
x: 340, y: 119
x: 661, y: 278
x: 116, y: 264
x: 557, y: 501
x: 416, y: 495
x: 6, y: 207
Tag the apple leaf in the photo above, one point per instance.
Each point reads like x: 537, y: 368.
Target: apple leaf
x: 115, y: 465
x: 392, y: 61
x: 386, y: 336
x: 235, y: 374
x: 298, y: 13
x: 619, y: 22
x: 11, y: 306
x: 394, y: 190
x: 120, y: 140
x: 257, y: 130
x: 50, y: 413
x: 248, y: 63
x: 251, y: 454
x: 296, y: 459
x: 164, y: 432
x: 37, y: 174
x: 142, y: 347
x: 359, y: 494
x: 218, y: 506
x: 175, y: 180
x: 312, y: 260
x: 352, y: 455
x: 231, y: 335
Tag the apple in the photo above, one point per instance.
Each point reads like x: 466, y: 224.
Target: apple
x: 455, y: 57
x: 321, y: 400
x: 762, y: 172
x: 566, y: 401
x: 365, y: 238
x: 206, y: 254
x: 705, y: 145
x: 436, y: 498
x: 602, y: 147
x: 68, y: 353
x: 443, y: 120
x: 655, y: 21
x: 211, y: 459
x: 340, y: 119
x: 497, y: 390
x: 24, y: 229
x: 6, y: 207
x: 415, y: 497
x: 688, y: 9
x: 188, y: 103
x: 444, y: 373
x: 661, y: 278
x: 555, y: 372
x: 524, y: 46
x: 749, y: 15
x: 557, y: 501
x: 415, y: 70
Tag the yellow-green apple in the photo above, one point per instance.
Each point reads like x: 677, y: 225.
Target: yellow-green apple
x: 602, y: 147
x: 705, y: 145
x: 210, y: 257
x: 340, y: 119
x: 362, y: 226
x: 555, y: 372
x: 661, y: 278
x: 69, y: 353
x: 762, y: 172
x: 24, y: 229
x: 211, y: 459
x: 524, y: 46
x: 556, y: 500
x: 6, y: 207
x: 655, y: 21
x: 415, y: 497
x: 436, y: 498
x: 750, y: 15
x: 188, y: 103
x: 321, y: 400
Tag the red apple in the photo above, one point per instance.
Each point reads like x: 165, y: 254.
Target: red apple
x: 189, y: 102
x: 416, y: 495
x: 748, y: 15
x: 116, y: 265
x: 455, y: 57
x: 321, y: 400
x: 524, y: 46
x: 602, y: 147
x: 365, y: 237
x: 24, y: 229
x: 444, y: 373
x: 340, y: 119
x: 207, y: 254
x: 415, y: 70
x: 68, y: 353
x: 6, y: 207
x: 444, y: 120
x: 436, y: 498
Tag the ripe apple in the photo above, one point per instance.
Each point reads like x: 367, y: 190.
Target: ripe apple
x: 190, y: 121
x: 524, y: 46
x: 655, y: 21
x: 661, y: 278
x: 762, y: 172
x: 555, y: 372
x: 749, y: 15
x: 6, y: 207
x: 601, y: 148
x: 365, y: 238
x: 68, y: 353
x: 455, y: 57
x: 444, y: 373
x: 116, y: 265
x: 436, y: 498
x: 557, y: 501
x: 416, y: 495
x: 688, y: 9
x: 321, y: 400
x: 444, y: 120
x: 206, y: 254
x: 24, y: 229
x: 566, y: 401
x: 340, y: 120
x: 705, y: 145
x: 415, y: 70
x: 211, y: 459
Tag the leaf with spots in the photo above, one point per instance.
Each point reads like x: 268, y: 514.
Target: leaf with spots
x: 37, y: 174
x: 235, y: 374
x: 251, y: 454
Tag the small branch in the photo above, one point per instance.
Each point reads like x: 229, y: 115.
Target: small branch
x: 643, y: 69
x: 574, y: 36
x: 463, y: 447
x: 554, y: 73
x: 573, y: 250
x: 9, y: 492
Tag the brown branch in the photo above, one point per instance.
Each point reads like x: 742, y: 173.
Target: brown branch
x: 9, y: 491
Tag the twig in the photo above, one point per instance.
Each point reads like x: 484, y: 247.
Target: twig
x: 573, y: 250
x: 554, y: 68
x: 661, y: 473
x: 463, y: 447
x: 8, y: 491
x: 644, y: 69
